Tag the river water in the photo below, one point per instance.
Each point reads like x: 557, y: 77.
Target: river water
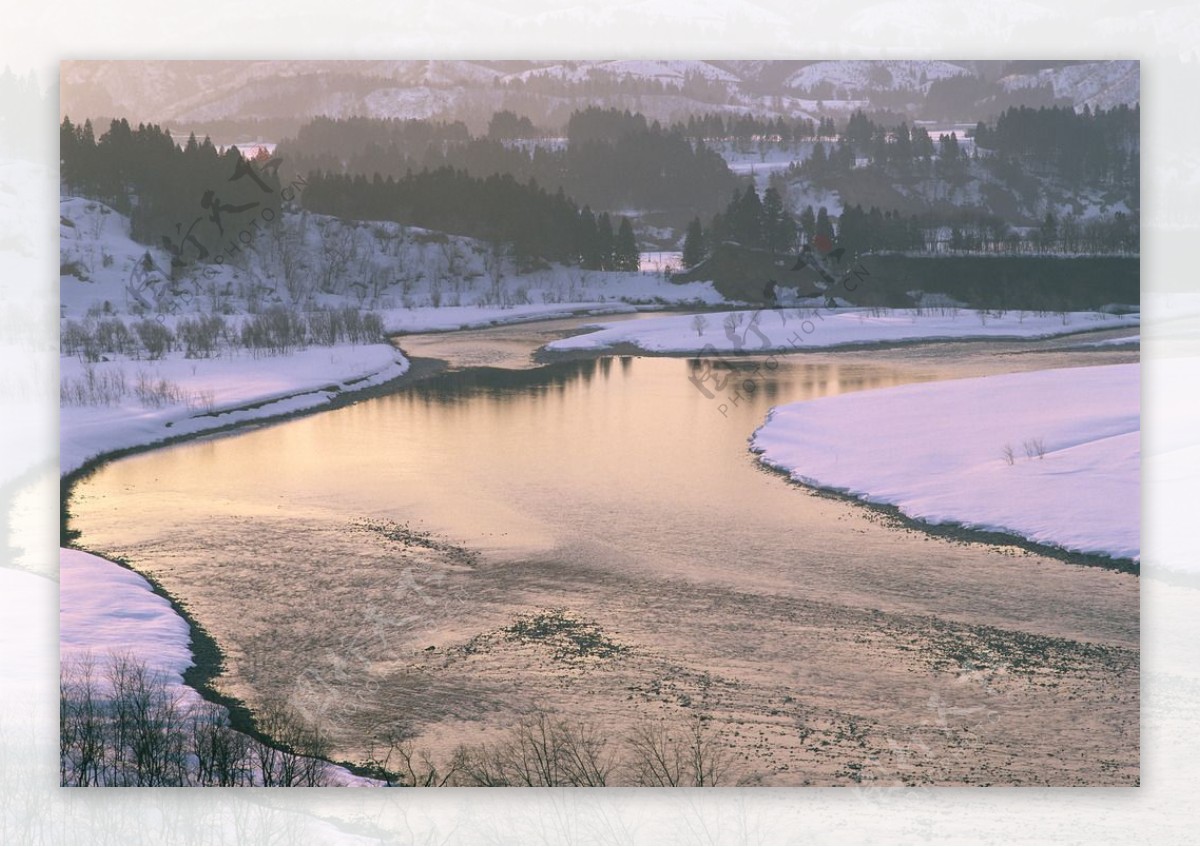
x: 373, y: 566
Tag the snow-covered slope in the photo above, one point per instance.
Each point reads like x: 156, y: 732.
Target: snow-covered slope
x: 874, y: 75
x: 316, y: 261
x: 941, y: 453
x: 187, y: 92
x: 672, y: 71
x: 1100, y: 85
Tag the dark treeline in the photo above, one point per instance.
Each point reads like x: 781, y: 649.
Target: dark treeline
x: 1099, y: 147
x: 960, y: 97
x: 613, y: 159
x: 535, y: 223
x: 753, y: 222
x: 330, y: 143
x: 765, y: 224
x: 1102, y: 145
x: 598, y: 83
x: 192, y: 200
x: 713, y: 126
x: 1015, y: 166
x: 953, y: 97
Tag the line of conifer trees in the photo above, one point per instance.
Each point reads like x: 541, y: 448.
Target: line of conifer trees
x: 192, y: 200
x: 537, y: 224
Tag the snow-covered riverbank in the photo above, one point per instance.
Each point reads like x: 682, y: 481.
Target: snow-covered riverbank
x: 109, y: 614
x: 1051, y: 456
x: 792, y: 330
x: 126, y: 404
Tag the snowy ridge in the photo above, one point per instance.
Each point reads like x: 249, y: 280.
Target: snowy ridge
x: 182, y: 92
x: 1050, y: 456
x: 669, y: 70
x: 1100, y: 85
x: 865, y: 75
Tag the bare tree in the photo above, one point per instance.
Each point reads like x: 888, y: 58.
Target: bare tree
x: 663, y: 755
x: 540, y: 750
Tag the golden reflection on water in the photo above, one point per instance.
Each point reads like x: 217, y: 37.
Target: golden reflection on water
x: 510, y: 463
x: 617, y: 489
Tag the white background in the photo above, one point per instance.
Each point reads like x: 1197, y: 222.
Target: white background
x: 35, y: 36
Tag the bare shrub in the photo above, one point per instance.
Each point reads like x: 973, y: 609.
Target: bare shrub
x: 663, y: 755
x: 147, y: 727
x: 276, y: 331
x: 539, y: 751
x: 298, y: 760
x: 699, y: 322
x: 121, y: 723
x: 543, y: 750
x: 397, y: 763
x: 157, y: 339
x: 83, y: 758
x: 202, y: 336
x: 154, y: 393
x: 221, y: 752
x: 94, y: 387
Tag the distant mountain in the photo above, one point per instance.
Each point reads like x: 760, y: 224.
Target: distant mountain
x: 183, y: 93
x: 868, y: 76
x: 1095, y: 84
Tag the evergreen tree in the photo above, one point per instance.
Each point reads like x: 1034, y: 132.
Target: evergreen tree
x: 808, y: 223
x: 779, y: 230
x: 824, y: 226
x: 604, y: 241
x: 747, y: 219
x: 816, y: 164
x: 625, y: 250
x: 694, y: 246
x: 68, y: 155
x: 1049, y: 231
x: 588, y: 243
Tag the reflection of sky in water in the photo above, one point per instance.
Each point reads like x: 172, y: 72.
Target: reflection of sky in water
x: 619, y: 463
x: 502, y: 460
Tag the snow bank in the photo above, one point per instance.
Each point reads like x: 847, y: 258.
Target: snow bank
x: 790, y: 330
x: 937, y: 452
x: 1123, y: 341
x: 213, y: 393
x: 106, y: 610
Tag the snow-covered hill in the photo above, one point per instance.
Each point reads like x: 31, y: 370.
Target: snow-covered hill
x: 412, y: 277
x: 186, y: 92
x: 874, y: 75
x: 672, y: 71
x: 1100, y: 85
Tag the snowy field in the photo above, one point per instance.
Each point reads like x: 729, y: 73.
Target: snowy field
x: 791, y: 330
x: 1051, y: 456
x: 105, y: 610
